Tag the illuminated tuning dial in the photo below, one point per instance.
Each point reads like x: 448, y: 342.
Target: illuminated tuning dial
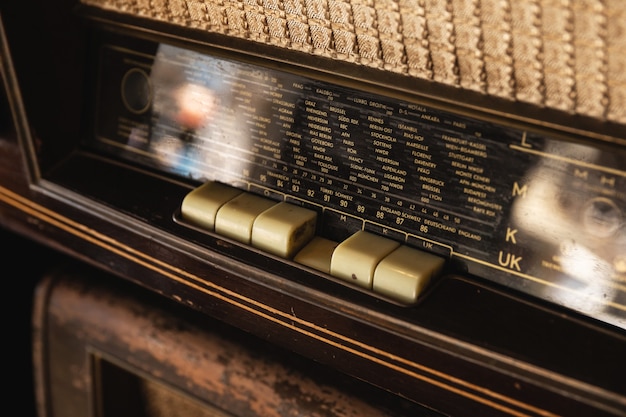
x: 375, y: 263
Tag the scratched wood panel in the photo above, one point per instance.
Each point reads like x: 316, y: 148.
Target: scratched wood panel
x: 108, y: 349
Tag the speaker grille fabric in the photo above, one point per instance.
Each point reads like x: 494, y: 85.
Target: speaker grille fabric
x: 568, y: 55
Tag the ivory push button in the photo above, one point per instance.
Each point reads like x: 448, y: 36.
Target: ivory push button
x: 235, y: 218
x: 404, y: 273
x: 200, y: 206
x: 355, y: 258
x: 317, y: 254
x: 283, y: 229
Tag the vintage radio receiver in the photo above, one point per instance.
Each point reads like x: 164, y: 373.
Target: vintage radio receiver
x: 374, y: 175
x: 522, y: 207
x: 430, y: 197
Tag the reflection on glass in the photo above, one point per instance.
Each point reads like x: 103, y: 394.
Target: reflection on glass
x: 197, y: 114
x: 539, y: 215
x: 571, y: 210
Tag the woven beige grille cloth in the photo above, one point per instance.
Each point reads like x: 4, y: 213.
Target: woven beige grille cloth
x: 568, y: 55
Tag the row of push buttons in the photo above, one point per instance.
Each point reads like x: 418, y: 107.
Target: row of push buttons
x: 370, y: 261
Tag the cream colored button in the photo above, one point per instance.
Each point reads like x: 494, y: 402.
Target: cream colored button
x: 235, y: 218
x: 284, y: 229
x: 355, y: 258
x: 317, y: 254
x: 200, y: 206
x: 404, y: 273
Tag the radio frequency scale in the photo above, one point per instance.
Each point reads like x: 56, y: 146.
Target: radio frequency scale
x: 532, y: 211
